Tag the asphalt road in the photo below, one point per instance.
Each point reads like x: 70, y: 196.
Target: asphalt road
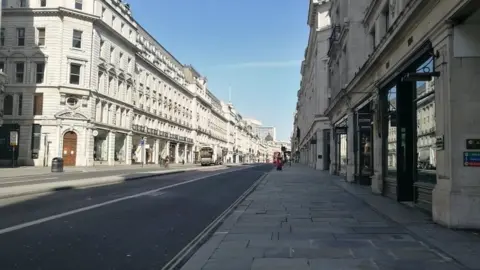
x: 66, y: 176
x: 126, y: 226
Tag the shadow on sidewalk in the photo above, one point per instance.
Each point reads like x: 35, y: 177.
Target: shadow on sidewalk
x: 300, y: 218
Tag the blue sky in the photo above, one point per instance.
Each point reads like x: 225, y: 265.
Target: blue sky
x: 254, y: 46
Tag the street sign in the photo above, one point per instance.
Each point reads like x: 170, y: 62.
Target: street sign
x: 473, y: 144
x: 13, y: 138
x: 471, y: 159
x: 142, y: 142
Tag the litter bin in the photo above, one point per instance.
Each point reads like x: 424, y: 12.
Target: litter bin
x: 57, y: 164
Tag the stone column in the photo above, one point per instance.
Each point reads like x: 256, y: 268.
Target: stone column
x: 88, y: 151
x: 350, y: 147
x: 185, y: 149
x: 111, y: 148
x: 177, y: 145
x: 319, y: 165
x: 456, y: 195
x: 128, y: 149
x: 23, y: 147
x: 156, y: 152
x: 333, y: 154
x: 59, y: 144
x: 378, y: 157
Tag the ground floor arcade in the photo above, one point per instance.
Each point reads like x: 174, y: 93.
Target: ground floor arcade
x: 80, y: 143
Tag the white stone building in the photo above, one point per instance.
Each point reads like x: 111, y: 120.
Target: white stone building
x: 311, y: 124
x: 3, y: 77
x: 410, y: 91
x: 90, y: 85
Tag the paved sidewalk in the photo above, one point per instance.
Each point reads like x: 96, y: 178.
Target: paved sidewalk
x: 304, y: 219
x: 31, y: 170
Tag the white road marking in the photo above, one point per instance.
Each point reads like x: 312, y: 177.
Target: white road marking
x: 26, y: 181
x: 83, y: 209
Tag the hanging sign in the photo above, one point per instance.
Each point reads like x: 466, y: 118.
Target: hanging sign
x: 13, y: 138
x: 471, y: 159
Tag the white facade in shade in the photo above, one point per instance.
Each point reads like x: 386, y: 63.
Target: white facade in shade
x: 310, y: 121
x: 92, y: 86
x: 412, y: 66
x: 3, y: 77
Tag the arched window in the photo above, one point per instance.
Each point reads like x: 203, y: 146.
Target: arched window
x: 8, y: 105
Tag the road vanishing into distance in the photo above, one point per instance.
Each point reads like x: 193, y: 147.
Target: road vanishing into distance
x: 138, y: 224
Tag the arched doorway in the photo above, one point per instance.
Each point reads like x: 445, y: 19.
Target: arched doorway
x: 70, y: 148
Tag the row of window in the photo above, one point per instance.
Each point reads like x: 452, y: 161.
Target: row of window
x: 40, y: 37
x: 9, y: 104
x: 43, y: 3
x: 20, y: 71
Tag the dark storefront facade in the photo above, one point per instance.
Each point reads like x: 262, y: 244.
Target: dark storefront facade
x: 408, y: 123
x: 341, y: 148
x: 363, y: 146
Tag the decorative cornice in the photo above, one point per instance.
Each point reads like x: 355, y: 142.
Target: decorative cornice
x: 99, y: 22
x: 60, y: 11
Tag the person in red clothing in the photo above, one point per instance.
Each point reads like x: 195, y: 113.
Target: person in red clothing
x: 279, y: 164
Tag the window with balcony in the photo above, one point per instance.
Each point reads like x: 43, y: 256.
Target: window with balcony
x: 20, y: 104
x: 112, y: 54
x: 19, y: 72
x: 102, y: 48
x: 21, y: 36
x: 2, y: 36
x: 373, y: 39
x: 77, y: 39
x: 43, y: 3
x: 41, y: 36
x: 386, y: 17
x: 8, y: 105
x: 39, y: 72
x: 75, y: 70
x: 38, y: 104
x: 79, y: 4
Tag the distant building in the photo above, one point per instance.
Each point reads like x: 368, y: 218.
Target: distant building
x: 263, y: 133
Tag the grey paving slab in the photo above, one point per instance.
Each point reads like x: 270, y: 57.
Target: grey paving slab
x: 307, y: 235
x: 303, y: 219
x: 307, y: 253
x: 228, y: 263
x: 245, y: 253
x: 416, y: 265
x: 280, y: 264
x: 373, y: 253
x: 249, y: 236
x: 342, y: 264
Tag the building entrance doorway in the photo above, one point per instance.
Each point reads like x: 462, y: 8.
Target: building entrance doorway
x: 70, y: 148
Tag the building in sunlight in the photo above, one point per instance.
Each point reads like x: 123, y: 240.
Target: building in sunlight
x: 92, y: 86
x: 310, y: 122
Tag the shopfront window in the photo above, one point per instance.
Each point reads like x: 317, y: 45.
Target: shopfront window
x: 392, y: 132
x: 426, y: 127
x: 364, y: 147
x: 341, y: 148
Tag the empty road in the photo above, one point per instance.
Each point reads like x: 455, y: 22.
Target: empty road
x: 134, y: 225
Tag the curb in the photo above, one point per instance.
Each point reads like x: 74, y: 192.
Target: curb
x: 90, y: 182
x: 189, y: 250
